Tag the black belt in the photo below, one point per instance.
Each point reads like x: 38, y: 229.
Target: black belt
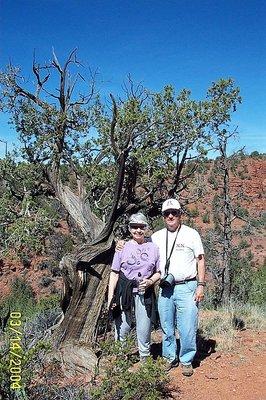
x: 185, y: 280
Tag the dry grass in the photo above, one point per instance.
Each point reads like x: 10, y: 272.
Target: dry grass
x: 223, y: 324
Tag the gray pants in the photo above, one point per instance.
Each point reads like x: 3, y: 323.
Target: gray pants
x: 143, y: 326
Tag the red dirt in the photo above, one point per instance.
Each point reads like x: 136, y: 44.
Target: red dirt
x: 225, y: 376
x: 239, y: 375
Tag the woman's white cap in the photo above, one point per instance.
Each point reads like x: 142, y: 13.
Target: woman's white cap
x: 138, y: 218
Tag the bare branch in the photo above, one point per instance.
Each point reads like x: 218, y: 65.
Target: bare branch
x: 113, y: 125
x: 24, y: 93
x: 55, y: 62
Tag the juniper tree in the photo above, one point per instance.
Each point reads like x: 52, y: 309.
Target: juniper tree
x: 102, y: 159
x: 225, y: 98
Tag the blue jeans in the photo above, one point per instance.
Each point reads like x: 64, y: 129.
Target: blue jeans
x: 143, y: 326
x: 178, y: 309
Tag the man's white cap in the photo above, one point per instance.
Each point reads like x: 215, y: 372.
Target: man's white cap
x: 138, y: 218
x: 171, y: 204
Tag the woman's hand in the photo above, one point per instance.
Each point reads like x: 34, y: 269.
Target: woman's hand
x: 144, y: 284
x: 110, y: 304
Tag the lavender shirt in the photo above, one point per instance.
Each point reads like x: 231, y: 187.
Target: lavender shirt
x: 137, y: 261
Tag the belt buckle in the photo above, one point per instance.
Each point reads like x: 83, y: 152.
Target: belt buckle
x: 181, y: 282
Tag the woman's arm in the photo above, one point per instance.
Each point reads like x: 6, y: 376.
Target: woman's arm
x: 147, y: 282
x: 114, y: 275
x: 156, y: 275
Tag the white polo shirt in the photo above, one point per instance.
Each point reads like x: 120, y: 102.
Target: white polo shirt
x: 188, y: 246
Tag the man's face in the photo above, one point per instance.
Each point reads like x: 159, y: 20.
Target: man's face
x: 172, y: 219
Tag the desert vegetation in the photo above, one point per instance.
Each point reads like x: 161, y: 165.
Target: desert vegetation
x: 84, y: 164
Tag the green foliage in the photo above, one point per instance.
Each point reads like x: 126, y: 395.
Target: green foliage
x: 206, y: 218
x: 213, y: 181
x: 157, y: 224
x: 21, y: 299
x: 193, y: 212
x: 257, y: 154
x: 243, y: 175
x: 259, y: 222
x: 247, y: 283
x: 118, y: 382
x: 86, y: 138
x: 30, y: 358
x: 28, y: 234
x: 36, y: 318
x: 48, y: 303
x: 25, y: 218
x: 257, y: 292
x: 241, y: 275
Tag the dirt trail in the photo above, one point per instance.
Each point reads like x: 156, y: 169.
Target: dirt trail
x: 220, y: 376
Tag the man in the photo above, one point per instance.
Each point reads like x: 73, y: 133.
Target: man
x: 178, y: 303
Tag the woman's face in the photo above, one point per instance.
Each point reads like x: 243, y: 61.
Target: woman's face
x: 137, y: 232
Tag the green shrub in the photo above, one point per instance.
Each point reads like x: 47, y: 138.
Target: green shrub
x: 257, y: 292
x: 206, y: 218
x: 260, y: 221
x: 248, y: 284
x: 213, y: 181
x: 194, y: 212
x: 241, y: 211
x: 32, y: 345
x: 118, y: 382
x: 27, y: 235
x: 21, y: 299
x: 256, y: 154
x: 27, y: 354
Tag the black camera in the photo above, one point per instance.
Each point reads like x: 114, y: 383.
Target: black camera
x: 168, y: 281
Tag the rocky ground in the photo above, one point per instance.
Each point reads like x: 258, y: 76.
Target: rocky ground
x: 237, y: 375
x: 218, y: 375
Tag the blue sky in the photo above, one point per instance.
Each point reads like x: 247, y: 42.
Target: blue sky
x: 188, y: 43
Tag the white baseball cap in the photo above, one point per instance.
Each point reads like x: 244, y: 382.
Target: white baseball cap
x: 171, y: 204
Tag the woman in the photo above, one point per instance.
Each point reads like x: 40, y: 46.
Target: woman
x: 134, y: 271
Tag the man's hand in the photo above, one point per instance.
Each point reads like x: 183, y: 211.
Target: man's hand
x: 120, y: 245
x: 199, y: 295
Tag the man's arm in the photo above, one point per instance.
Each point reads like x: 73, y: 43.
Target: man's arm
x: 120, y: 245
x: 199, y: 295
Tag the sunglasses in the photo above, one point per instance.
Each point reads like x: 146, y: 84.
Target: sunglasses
x: 174, y: 213
x: 136, y: 226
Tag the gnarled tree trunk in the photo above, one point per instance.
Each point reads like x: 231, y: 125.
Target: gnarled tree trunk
x: 85, y: 274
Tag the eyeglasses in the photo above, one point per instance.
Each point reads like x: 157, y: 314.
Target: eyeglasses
x: 174, y: 213
x: 136, y: 226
